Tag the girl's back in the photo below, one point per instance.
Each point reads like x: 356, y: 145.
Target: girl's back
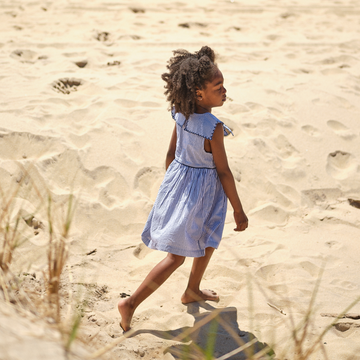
x: 191, y: 135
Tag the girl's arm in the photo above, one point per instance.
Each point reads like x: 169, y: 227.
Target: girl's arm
x: 170, y: 156
x: 226, y: 177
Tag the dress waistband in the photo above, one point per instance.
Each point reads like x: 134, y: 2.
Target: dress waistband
x: 195, y: 167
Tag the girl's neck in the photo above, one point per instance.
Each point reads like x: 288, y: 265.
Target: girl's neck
x: 202, y: 110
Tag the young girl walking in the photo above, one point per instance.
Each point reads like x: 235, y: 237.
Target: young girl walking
x: 188, y: 215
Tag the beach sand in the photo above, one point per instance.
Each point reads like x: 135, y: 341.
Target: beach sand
x: 83, y: 110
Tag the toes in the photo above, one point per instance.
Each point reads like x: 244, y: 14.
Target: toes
x: 203, y: 295
x: 210, y: 295
x: 211, y: 291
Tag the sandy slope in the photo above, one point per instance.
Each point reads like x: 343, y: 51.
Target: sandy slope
x: 82, y: 100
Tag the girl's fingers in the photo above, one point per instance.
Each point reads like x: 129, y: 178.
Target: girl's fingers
x: 241, y: 227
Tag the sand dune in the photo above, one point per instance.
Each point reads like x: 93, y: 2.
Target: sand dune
x: 83, y: 112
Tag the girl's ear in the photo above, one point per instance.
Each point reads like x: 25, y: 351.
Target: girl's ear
x: 198, y: 94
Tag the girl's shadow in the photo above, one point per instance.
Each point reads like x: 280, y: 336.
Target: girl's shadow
x: 215, y: 333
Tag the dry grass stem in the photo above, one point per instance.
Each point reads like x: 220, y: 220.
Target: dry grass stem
x: 22, y: 205
x: 57, y: 254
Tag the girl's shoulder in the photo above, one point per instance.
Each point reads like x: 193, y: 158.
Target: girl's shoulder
x: 200, y: 124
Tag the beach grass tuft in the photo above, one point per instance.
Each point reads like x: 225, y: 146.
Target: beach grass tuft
x: 15, y: 222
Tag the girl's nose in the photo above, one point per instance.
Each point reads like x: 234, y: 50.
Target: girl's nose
x: 224, y: 90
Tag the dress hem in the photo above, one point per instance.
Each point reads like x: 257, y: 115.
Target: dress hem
x: 180, y: 252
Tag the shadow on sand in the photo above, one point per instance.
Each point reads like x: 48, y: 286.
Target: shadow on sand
x: 215, y: 334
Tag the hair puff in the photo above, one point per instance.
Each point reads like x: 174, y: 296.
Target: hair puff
x: 188, y: 72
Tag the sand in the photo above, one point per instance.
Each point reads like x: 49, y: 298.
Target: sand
x: 82, y: 108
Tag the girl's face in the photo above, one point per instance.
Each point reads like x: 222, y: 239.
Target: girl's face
x: 212, y: 95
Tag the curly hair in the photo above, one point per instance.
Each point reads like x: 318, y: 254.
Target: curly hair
x: 188, y: 72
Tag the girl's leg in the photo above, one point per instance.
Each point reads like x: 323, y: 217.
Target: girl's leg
x: 155, y: 278
x: 193, y: 292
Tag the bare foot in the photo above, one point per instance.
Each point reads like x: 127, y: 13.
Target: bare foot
x: 190, y: 296
x: 126, y: 311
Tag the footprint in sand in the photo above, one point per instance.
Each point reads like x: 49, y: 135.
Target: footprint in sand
x: 273, y: 37
x: 342, y: 59
x: 280, y: 289
x: 265, y: 127
x: 137, y: 10
x: 333, y: 71
x: 333, y: 245
x: 274, y: 273
x: 126, y: 103
x: 347, y: 285
x: 192, y: 25
x: 141, y: 251
x: 255, y: 107
x: 263, y: 148
x: 322, y: 197
x: 302, y: 71
x: 270, y: 215
x: 235, y: 109
x: 310, y: 130
x: 285, y: 148
x: 344, y: 329
x: 25, y: 55
x: 114, y: 63
x: 129, y: 37
x: 340, y: 129
x: 81, y: 64
x: 327, y: 99
x: 341, y: 165
x: 148, y: 181
x: 66, y: 86
x: 312, y: 269
x: 102, y: 36
x: 22, y: 145
x: 115, y: 191
x: 256, y: 241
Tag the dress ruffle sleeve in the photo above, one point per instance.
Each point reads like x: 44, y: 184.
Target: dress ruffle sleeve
x: 200, y: 124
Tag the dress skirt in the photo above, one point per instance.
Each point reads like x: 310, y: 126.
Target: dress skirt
x: 189, y: 212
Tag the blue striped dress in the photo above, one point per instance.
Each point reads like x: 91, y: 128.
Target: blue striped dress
x: 189, y: 212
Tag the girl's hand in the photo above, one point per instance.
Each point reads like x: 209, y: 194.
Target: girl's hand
x: 241, y: 221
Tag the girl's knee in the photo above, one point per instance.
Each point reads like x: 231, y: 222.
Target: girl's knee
x: 176, y: 259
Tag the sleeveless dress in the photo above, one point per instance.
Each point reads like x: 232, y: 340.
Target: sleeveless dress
x: 189, y: 212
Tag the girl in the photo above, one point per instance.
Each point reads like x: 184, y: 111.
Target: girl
x: 188, y: 216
